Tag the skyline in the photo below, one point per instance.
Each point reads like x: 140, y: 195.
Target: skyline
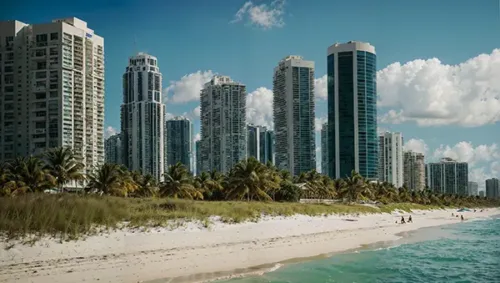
x: 444, y: 36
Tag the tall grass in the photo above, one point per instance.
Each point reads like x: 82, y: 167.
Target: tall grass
x: 71, y: 216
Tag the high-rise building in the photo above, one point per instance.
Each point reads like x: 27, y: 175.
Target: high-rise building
x: 113, y: 149
x: 180, y: 142
x: 390, y: 158
x: 324, y: 149
x: 253, y: 141
x: 52, y: 89
x: 223, y: 124
x: 197, y: 146
x: 448, y: 177
x: 352, y: 110
x: 481, y: 194
x: 413, y: 170
x: 473, y: 189
x: 493, y: 188
x: 143, y: 117
x: 293, y: 110
x: 260, y: 143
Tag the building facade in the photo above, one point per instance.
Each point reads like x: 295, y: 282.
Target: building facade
x: 113, y: 149
x: 448, y: 177
x: 260, y: 143
x: 413, y: 170
x: 253, y: 141
x: 143, y: 117
x: 52, y: 90
x: 293, y: 112
x: 223, y: 124
x: 352, y: 110
x: 324, y: 149
x: 180, y: 142
x: 481, y: 194
x: 390, y: 161
x: 493, y: 188
x: 473, y: 189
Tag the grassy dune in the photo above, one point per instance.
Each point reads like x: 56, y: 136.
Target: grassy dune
x: 71, y: 216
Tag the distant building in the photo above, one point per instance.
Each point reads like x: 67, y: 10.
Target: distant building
x: 143, y: 117
x: 352, y: 110
x: 324, y: 149
x: 223, y: 124
x: 267, y: 145
x: 473, y: 189
x: 113, y: 149
x: 448, y: 177
x: 260, y: 143
x: 198, y: 158
x: 493, y: 188
x: 481, y: 194
x: 180, y: 142
x: 414, y: 170
x: 294, y: 116
x: 390, y: 164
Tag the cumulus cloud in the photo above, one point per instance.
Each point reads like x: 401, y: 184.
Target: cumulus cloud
x: 260, y: 107
x: 318, y: 123
x: 416, y: 145
x: 169, y: 116
x: 110, y: 131
x: 265, y: 16
x: 431, y: 93
x: 197, y: 137
x: 466, y: 152
x: 196, y: 111
x: 320, y: 88
x: 188, y: 88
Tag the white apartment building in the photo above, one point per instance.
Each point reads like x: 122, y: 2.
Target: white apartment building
x: 473, y: 189
x: 414, y: 170
x: 223, y: 124
x: 293, y: 111
x: 143, y: 117
x: 390, y: 163
x: 51, y: 89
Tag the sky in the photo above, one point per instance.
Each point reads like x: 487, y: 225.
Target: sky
x: 438, y: 62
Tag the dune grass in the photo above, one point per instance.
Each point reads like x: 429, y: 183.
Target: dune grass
x: 71, y: 216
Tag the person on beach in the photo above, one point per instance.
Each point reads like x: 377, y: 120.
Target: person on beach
x: 410, y: 220
x: 403, y: 220
x: 462, y: 217
x: 452, y: 214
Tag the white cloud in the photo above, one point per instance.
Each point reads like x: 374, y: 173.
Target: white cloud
x: 260, y: 107
x: 196, y: 111
x: 264, y: 16
x: 188, y: 88
x: 169, y: 116
x: 109, y: 131
x: 431, y: 93
x: 318, y: 123
x: 320, y: 88
x: 197, y: 137
x: 466, y: 152
x: 416, y: 145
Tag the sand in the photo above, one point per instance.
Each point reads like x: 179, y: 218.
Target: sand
x: 194, y: 253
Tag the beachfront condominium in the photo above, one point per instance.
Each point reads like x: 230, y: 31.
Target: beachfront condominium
x: 352, y: 110
x: 113, y: 149
x: 260, y: 143
x: 493, y: 188
x: 293, y: 111
x: 413, y: 170
x: 143, y: 117
x: 324, y: 149
x: 197, y: 146
x: 448, y: 177
x: 390, y: 159
x: 180, y: 142
x: 473, y: 189
x: 52, y: 89
x: 223, y: 124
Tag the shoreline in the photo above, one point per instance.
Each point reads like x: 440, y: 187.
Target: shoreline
x: 198, y: 254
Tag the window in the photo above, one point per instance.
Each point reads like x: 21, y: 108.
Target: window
x: 9, y: 89
x: 53, y: 94
x: 41, y: 75
x: 40, y: 95
x: 41, y: 38
x: 40, y: 125
x: 8, y: 40
x: 8, y: 69
x: 41, y: 65
x: 40, y: 52
x: 10, y: 56
x: 54, y: 36
x: 40, y: 84
x: 9, y: 79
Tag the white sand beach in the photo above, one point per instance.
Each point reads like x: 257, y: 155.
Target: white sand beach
x: 193, y: 253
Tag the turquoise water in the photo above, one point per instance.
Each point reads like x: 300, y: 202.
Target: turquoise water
x: 465, y: 252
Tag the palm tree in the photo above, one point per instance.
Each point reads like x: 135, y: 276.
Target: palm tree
x: 61, y: 163
x: 9, y: 186
x: 30, y: 172
x: 178, y: 183
x: 356, y: 187
x: 211, y: 189
x: 106, y: 180
x: 251, y: 179
x: 146, y: 185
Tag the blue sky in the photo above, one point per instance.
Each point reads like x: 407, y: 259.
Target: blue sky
x: 443, y: 106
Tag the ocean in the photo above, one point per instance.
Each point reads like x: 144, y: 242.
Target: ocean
x: 464, y: 252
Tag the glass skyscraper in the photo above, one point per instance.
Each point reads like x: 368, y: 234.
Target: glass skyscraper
x: 180, y: 142
x: 352, y: 110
